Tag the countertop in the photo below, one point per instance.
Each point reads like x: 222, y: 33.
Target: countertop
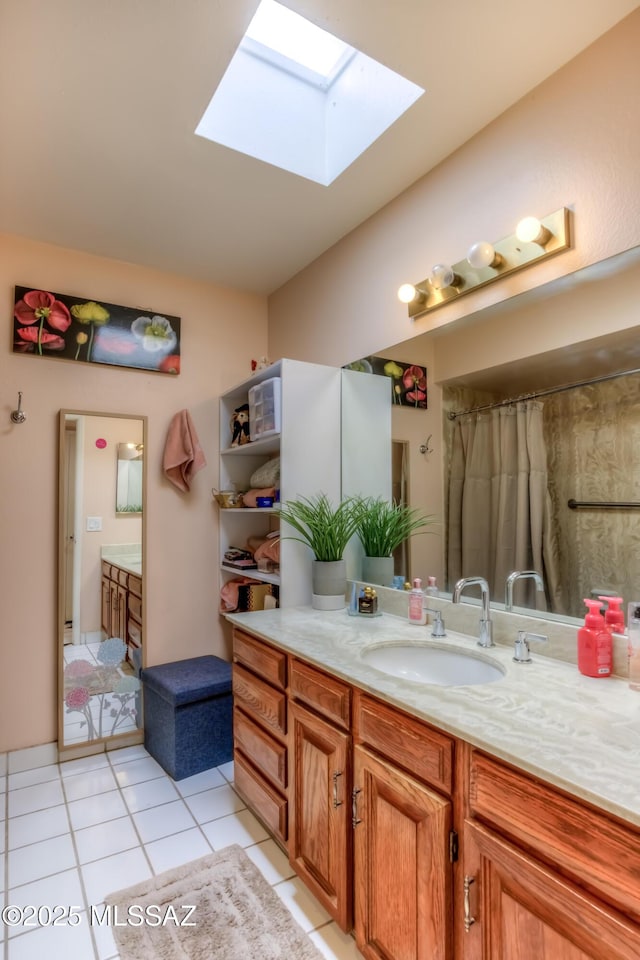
x: 577, y: 733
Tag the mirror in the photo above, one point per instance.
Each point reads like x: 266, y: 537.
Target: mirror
x: 129, y: 478
x: 580, y: 327
x: 101, y: 538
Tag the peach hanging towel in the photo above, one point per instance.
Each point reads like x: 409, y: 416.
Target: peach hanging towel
x: 183, y: 455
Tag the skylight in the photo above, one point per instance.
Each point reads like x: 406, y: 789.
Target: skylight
x: 301, y: 99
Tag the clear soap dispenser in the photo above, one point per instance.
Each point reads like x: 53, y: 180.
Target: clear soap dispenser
x: 417, y: 613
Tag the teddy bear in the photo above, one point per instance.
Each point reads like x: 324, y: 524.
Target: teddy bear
x: 240, y: 426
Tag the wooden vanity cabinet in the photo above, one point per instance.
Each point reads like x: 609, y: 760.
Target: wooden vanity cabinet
x: 545, y: 876
x: 122, y: 606
x: 260, y: 731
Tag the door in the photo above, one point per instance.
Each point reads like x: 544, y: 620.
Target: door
x: 320, y: 820
x: 517, y: 909
x: 402, y: 869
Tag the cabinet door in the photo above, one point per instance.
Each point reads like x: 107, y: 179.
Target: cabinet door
x: 319, y: 817
x: 106, y: 606
x: 402, y: 869
x: 517, y: 909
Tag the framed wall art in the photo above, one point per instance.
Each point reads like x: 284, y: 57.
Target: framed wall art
x: 407, y: 381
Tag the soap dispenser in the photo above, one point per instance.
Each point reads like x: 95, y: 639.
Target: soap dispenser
x: 594, y: 643
x: 417, y: 613
x: 613, y: 617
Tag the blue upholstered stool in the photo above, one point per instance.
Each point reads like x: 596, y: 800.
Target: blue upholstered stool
x: 188, y: 712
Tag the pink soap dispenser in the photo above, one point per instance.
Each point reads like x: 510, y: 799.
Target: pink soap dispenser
x: 613, y: 617
x: 594, y: 643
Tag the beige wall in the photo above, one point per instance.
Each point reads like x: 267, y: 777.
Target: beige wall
x: 574, y: 141
x: 221, y: 330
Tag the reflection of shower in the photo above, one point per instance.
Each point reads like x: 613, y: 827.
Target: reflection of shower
x: 400, y: 494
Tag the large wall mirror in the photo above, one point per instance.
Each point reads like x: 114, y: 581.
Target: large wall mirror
x: 580, y: 329
x: 101, y: 518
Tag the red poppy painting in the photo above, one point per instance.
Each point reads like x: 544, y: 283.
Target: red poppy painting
x: 407, y: 381
x: 50, y: 324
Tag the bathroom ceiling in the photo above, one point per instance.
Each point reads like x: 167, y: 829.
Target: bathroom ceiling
x: 99, y: 103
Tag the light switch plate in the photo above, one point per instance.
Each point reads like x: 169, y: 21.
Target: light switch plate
x: 94, y: 524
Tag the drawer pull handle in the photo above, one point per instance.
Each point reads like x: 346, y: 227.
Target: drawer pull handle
x: 468, y: 919
x: 355, y: 820
x: 336, y: 803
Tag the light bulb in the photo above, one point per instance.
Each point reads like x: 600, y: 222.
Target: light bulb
x: 530, y: 230
x: 406, y: 293
x: 442, y: 276
x: 482, y: 254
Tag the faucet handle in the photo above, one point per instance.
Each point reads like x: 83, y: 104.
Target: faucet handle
x: 437, y: 627
x: 521, y: 653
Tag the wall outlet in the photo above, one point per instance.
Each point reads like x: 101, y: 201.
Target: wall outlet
x: 94, y: 524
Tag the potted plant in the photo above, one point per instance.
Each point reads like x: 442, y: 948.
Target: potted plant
x: 326, y: 530
x: 381, y: 527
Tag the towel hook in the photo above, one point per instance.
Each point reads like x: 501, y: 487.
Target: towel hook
x: 18, y: 416
x: 424, y: 447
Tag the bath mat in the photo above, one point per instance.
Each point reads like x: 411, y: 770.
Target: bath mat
x: 236, y: 915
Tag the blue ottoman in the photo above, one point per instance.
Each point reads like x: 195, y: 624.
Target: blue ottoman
x: 188, y: 711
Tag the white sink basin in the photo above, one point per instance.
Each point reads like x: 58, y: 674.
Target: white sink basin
x: 427, y: 663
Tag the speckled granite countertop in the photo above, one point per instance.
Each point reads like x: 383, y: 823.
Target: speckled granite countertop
x: 581, y: 734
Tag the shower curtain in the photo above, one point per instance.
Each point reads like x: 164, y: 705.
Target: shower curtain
x: 499, y: 504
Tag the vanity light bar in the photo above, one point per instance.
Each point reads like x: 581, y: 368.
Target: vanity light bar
x: 525, y: 247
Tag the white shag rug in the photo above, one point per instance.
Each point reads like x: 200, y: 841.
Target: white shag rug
x: 236, y: 915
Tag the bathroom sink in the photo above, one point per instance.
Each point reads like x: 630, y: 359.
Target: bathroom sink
x: 428, y: 663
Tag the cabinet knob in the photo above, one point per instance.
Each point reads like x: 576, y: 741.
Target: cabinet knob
x: 468, y: 919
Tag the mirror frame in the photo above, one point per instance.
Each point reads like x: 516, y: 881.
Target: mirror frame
x: 91, y: 747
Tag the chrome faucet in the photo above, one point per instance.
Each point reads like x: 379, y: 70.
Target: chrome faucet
x: 486, y: 627
x: 520, y: 575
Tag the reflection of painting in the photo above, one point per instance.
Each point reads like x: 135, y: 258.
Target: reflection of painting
x: 56, y: 325
x: 408, y: 381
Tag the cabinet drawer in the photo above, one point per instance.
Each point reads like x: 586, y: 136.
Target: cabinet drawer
x: 134, y: 633
x: 263, y: 799
x: 264, y: 752
x: 581, y: 842
x: 135, y: 607
x: 412, y: 745
x: 264, y: 704
x: 106, y: 569
x: 326, y: 695
x: 267, y: 662
x: 135, y: 584
x: 123, y: 576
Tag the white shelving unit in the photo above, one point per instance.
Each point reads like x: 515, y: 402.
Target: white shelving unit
x: 309, y: 450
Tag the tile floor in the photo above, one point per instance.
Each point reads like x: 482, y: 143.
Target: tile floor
x: 71, y: 833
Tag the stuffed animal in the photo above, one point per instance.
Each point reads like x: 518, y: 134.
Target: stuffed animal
x: 240, y: 426
x: 260, y: 364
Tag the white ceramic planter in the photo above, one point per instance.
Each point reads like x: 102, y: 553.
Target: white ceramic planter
x: 329, y: 584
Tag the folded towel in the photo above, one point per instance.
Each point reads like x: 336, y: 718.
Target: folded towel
x: 183, y: 456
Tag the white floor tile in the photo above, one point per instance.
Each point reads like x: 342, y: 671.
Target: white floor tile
x: 72, y: 943
x: 241, y: 828
x: 40, y: 796
x: 270, y: 861
x: 31, y: 757
x: 71, y: 768
x: 114, y: 873
x: 38, y: 775
x: 34, y: 827
x: 157, y: 822
x: 151, y: 793
x: 334, y: 944
x: 125, y: 754
x: 89, y: 783
x: 137, y: 771
x: 303, y: 906
x: 226, y: 769
x: 92, y: 810
x: 40, y: 860
x: 3, y: 764
x: 176, y: 850
x: 105, y: 839
x: 60, y: 888
x: 105, y: 942
x: 199, y: 782
x: 219, y: 802
x: 2, y: 856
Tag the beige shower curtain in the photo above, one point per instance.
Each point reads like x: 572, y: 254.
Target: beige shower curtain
x: 499, y: 504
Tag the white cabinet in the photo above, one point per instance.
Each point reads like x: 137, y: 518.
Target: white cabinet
x: 309, y: 449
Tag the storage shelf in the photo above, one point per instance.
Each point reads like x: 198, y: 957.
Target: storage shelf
x: 255, y: 448
x: 253, y: 573
x: 249, y: 509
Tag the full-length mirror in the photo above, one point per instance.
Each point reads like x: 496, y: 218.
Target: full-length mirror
x: 100, y: 577
x: 551, y: 484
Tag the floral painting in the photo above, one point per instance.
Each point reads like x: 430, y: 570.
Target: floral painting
x: 407, y: 381
x: 56, y: 325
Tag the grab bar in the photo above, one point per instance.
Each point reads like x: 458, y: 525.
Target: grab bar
x: 604, y: 504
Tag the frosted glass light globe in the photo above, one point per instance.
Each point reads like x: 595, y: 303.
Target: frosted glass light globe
x: 441, y: 276
x: 530, y: 230
x: 481, y: 254
x: 406, y: 293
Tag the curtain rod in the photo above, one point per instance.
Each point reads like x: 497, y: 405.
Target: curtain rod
x: 541, y: 393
